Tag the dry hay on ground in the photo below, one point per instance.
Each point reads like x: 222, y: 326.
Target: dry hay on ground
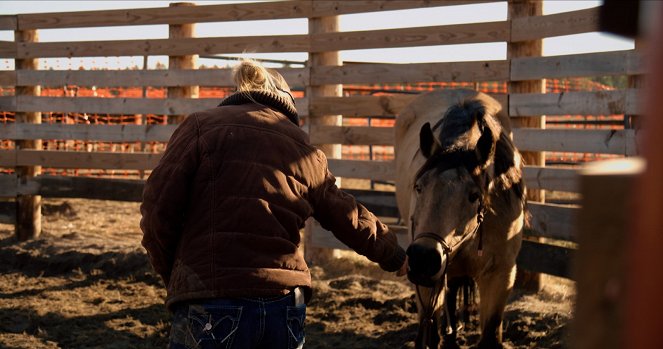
x: 86, y: 284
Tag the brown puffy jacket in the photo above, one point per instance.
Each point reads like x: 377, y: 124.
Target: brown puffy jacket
x: 222, y: 211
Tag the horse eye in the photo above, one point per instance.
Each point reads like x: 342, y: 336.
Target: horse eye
x: 474, y: 197
x: 417, y: 188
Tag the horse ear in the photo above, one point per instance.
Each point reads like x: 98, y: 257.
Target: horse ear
x: 485, y: 144
x: 427, y: 142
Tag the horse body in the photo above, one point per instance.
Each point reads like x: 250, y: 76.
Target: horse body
x: 459, y: 189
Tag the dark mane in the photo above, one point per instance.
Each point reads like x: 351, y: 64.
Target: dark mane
x: 474, y: 139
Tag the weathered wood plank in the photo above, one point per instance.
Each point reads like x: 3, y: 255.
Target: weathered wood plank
x: 566, y: 23
x: 553, y: 221
x: 383, y: 105
x: 296, y: 77
x: 376, y: 170
x: 408, y: 37
x: 107, y: 133
x: 8, y: 184
x: 325, y: 239
x: 552, y: 178
x: 168, y: 47
x: 8, y: 103
x: 546, y: 259
x: 167, y: 15
x: 94, y: 105
x: 343, y: 7
x: 626, y: 62
x: 348, y: 135
x: 415, y: 72
x: 8, y: 49
x: 217, y: 13
x: 74, y: 159
x: 621, y: 142
x: 575, y: 103
x: 8, y: 78
x: 129, y: 190
x: 8, y: 22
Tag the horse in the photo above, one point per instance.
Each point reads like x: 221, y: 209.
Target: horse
x: 461, y: 193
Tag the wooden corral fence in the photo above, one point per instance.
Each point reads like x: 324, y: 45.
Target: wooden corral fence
x: 552, y: 236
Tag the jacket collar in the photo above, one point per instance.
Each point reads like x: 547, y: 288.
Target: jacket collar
x: 266, y: 98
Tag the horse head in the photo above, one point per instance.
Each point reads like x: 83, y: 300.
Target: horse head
x: 451, y: 189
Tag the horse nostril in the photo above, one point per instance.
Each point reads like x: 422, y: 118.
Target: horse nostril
x: 424, y: 260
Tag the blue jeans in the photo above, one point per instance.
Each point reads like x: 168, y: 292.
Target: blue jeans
x: 246, y: 323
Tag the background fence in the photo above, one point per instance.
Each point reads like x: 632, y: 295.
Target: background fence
x: 96, y: 133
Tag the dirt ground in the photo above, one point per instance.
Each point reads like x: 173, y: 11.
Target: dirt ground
x: 86, y: 283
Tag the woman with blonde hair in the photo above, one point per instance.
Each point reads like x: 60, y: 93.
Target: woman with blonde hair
x: 221, y: 216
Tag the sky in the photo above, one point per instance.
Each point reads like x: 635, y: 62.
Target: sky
x: 581, y: 43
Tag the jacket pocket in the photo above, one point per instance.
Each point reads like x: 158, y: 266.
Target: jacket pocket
x: 295, y: 322
x: 212, y: 326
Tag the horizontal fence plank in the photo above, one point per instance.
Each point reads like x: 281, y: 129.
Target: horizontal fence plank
x: 213, y: 13
x: 351, y: 135
x: 83, y: 132
x: 130, y: 190
x: 626, y: 62
x: 8, y: 49
x: 79, y: 160
x: 575, y: 103
x: 8, y: 184
x: 8, y: 103
x: 621, y: 142
x: 415, y: 72
x: 566, y: 23
x: 167, y: 15
x: 8, y: 22
x: 382, y: 105
x: 168, y: 47
x: 553, y: 221
x: 8, y: 78
x: 376, y: 170
x: 552, y: 178
x: 408, y: 37
x: 325, y: 239
x: 333, y: 8
x: 123, y: 106
x: 296, y: 77
x: 546, y: 259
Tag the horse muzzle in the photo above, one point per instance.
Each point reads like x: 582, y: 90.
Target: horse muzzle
x: 427, y: 262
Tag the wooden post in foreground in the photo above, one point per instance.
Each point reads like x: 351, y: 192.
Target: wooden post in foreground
x: 322, y: 25
x: 179, y: 31
x: 28, y: 207
x: 518, y: 9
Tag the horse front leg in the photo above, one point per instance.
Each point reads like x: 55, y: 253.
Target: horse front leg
x: 494, y: 288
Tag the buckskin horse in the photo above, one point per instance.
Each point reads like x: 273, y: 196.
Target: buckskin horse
x: 461, y: 193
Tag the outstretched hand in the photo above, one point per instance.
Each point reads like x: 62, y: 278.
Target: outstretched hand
x: 403, y: 270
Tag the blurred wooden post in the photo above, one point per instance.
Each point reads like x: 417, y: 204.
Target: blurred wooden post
x: 180, y: 31
x: 317, y: 25
x: 600, y: 265
x: 533, y: 48
x: 28, y: 207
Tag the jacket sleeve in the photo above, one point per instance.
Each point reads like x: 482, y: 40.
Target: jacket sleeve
x: 354, y: 225
x: 165, y: 194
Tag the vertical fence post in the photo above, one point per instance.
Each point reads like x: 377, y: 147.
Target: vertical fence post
x: 179, y: 31
x: 318, y: 25
x: 533, y: 48
x: 28, y: 207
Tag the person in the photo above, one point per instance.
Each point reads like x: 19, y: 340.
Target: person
x: 222, y: 213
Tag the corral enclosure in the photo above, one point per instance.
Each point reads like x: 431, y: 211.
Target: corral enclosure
x: 89, y: 147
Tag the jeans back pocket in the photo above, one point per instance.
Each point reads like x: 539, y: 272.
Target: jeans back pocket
x: 212, y: 326
x: 295, y: 322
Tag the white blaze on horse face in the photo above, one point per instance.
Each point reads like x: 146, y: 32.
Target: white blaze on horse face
x: 444, y: 206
